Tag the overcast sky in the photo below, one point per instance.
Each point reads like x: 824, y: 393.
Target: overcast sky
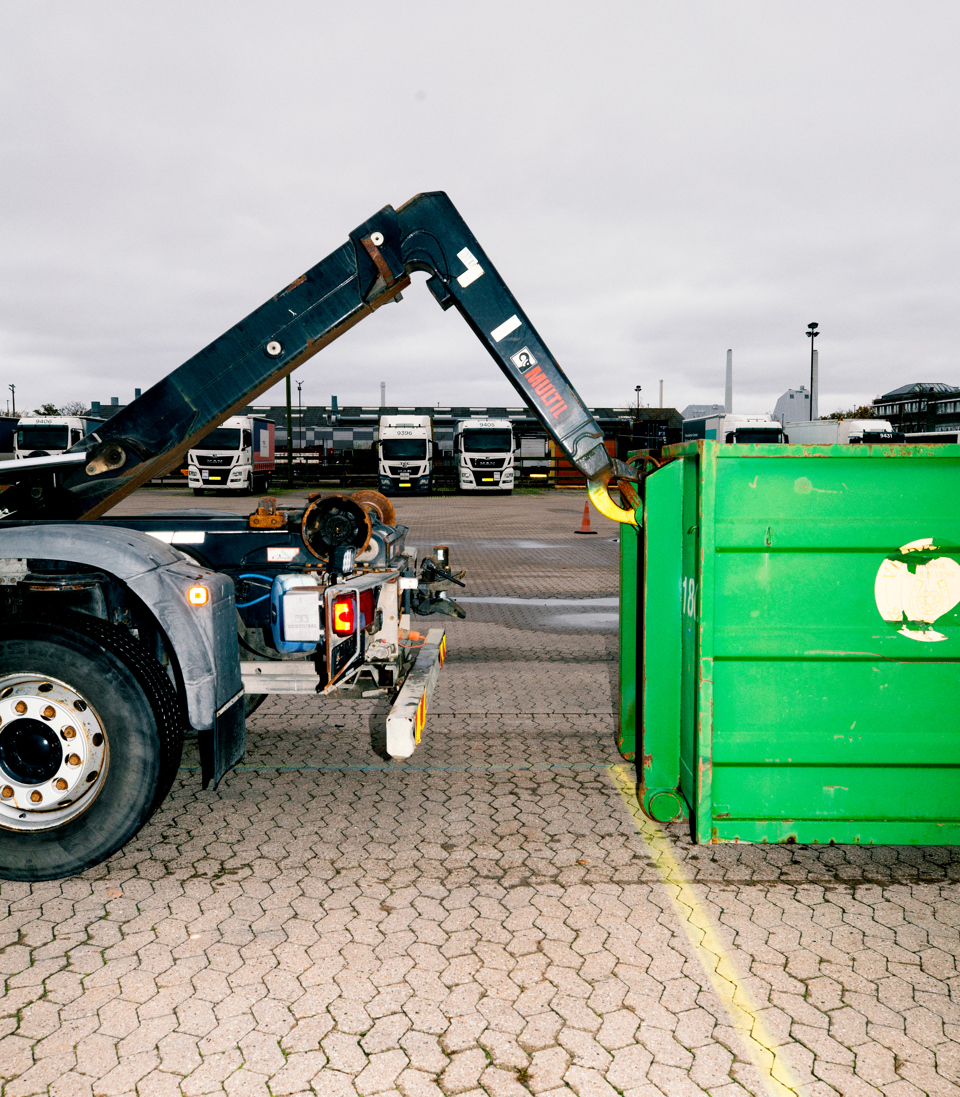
x: 656, y: 182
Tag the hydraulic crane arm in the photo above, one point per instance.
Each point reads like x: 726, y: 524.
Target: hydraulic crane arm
x: 427, y: 234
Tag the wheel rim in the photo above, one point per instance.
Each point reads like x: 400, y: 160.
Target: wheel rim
x: 54, y: 753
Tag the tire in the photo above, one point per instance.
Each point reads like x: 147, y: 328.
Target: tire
x: 103, y: 685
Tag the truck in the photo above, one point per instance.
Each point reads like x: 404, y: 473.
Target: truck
x: 239, y: 456
x: 827, y: 432
x: 733, y: 428
x: 47, y: 435
x: 484, y: 451
x: 119, y: 636
x: 8, y: 428
x: 405, y: 454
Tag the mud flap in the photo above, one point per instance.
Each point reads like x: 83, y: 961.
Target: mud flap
x: 409, y: 713
x: 223, y: 745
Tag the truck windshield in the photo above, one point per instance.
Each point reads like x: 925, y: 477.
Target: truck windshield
x: 487, y: 441
x: 42, y: 437
x: 755, y: 434
x: 404, y: 449
x: 221, y: 438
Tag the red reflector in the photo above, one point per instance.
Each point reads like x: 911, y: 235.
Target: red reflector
x: 344, y: 614
x: 367, y: 607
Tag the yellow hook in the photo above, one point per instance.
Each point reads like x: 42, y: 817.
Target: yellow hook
x: 598, y: 490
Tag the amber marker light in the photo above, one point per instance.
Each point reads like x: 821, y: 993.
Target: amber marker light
x: 198, y: 596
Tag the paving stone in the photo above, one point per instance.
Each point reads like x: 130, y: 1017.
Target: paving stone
x: 381, y: 1072
x: 463, y: 1071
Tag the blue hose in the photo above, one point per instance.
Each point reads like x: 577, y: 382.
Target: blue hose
x: 263, y: 597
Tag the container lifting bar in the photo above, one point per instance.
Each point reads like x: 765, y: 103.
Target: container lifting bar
x: 152, y: 434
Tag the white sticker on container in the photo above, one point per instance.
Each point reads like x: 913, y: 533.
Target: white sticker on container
x: 917, y: 595
x: 505, y: 328
x: 278, y: 555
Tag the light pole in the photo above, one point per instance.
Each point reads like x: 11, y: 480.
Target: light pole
x: 812, y: 334
x: 13, y: 390
x: 639, y: 389
x: 289, y: 436
x: 300, y: 430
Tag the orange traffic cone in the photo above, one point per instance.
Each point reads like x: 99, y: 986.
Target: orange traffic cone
x: 585, y: 524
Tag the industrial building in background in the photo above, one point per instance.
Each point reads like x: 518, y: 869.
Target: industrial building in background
x: 922, y: 407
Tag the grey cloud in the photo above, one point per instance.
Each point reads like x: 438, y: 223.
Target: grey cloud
x: 656, y: 183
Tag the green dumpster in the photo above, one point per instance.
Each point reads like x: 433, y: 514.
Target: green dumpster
x: 790, y: 643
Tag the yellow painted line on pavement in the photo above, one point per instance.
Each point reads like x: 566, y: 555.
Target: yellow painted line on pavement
x: 775, y: 1073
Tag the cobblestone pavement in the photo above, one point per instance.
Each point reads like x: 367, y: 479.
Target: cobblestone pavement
x: 490, y: 916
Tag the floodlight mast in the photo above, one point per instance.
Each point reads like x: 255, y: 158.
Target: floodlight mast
x: 812, y: 333
x: 371, y: 269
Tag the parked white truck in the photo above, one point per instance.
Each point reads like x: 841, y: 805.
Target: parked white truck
x: 484, y: 449
x: 733, y: 428
x: 48, y: 435
x: 237, y: 456
x: 405, y: 454
x: 828, y: 432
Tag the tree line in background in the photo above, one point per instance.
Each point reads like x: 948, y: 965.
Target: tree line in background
x: 71, y: 407
x: 862, y: 411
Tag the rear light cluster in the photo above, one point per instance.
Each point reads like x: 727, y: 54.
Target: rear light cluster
x: 351, y: 614
x: 345, y: 614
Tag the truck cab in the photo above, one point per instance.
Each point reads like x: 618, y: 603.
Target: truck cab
x: 238, y: 456
x: 484, y: 449
x: 826, y: 432
x: 733, y: 428
x: 405, y: 454
x: 48, y: 435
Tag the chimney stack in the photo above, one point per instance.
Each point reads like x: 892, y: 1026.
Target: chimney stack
x: 728, y: 394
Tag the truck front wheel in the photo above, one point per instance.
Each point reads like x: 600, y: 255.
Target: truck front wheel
x: 90, y: 741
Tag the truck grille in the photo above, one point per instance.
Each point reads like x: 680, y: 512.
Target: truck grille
x: 487, y: 462
x: 214, y: 461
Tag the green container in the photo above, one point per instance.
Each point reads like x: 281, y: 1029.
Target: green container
x: 790, y: 623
